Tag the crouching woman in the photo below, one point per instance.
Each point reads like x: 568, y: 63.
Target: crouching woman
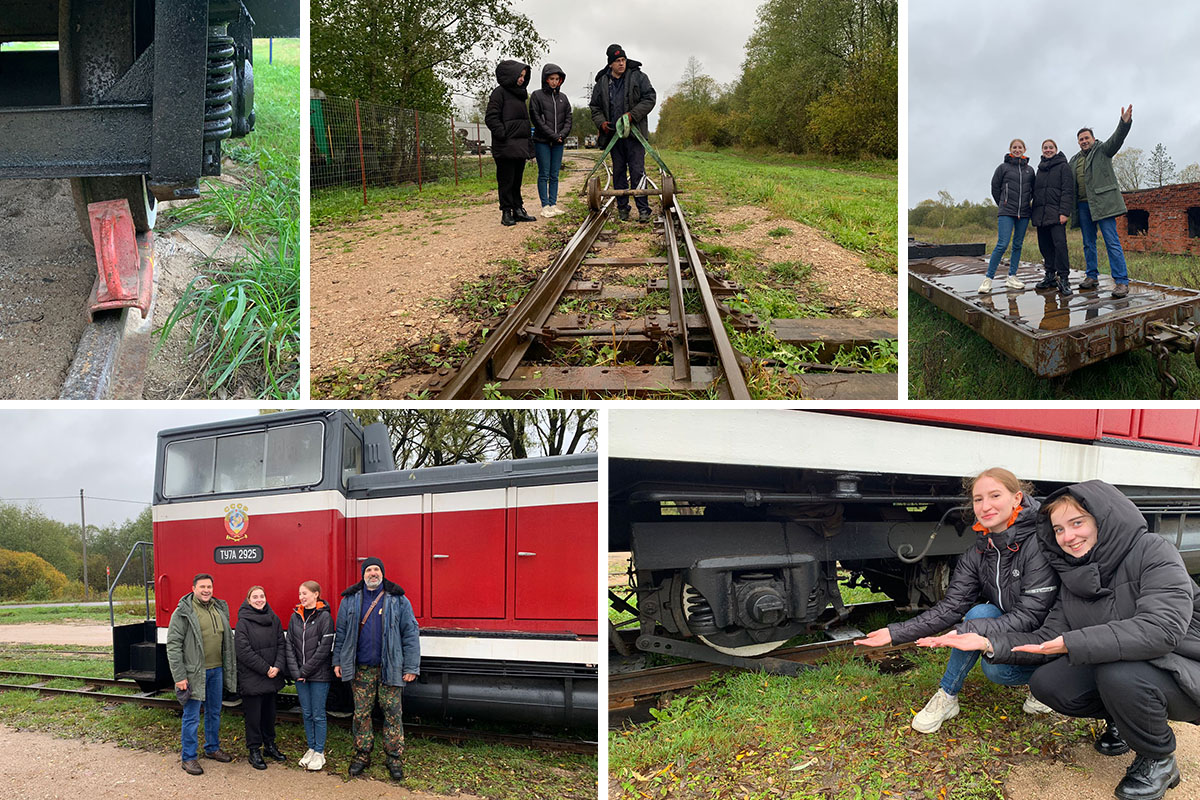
x: 1122, y: 642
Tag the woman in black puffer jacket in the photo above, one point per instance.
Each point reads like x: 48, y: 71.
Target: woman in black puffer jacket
x: 1053, y: 199
x: 1012, y: 189
x: 550, y: 111
x: 507, y: 118
x: 1003, y: 583
x: 1122, y: 642
x: 310, y: 662
x: 261, y: 662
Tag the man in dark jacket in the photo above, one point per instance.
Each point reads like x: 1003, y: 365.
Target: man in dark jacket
x: 507, y: 118
x: 377, y: 648
x: 622, y: 88
x: 1099, y: 202
x: 200, y: 654
x: 1122, y: 642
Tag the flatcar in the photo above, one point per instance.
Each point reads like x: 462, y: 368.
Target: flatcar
x: 498, y: 558
x: 738, y: 521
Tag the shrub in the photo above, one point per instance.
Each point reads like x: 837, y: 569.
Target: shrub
x: 25, y: 575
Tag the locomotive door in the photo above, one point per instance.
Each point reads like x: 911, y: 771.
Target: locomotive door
x: 467, y: 570
x: 556, y: 530
x: 391, y: 529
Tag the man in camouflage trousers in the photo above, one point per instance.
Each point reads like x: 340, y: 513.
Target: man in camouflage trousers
x: 377, y: 648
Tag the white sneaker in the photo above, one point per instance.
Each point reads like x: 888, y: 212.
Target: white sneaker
x: 1012, y: 283
x: 1035, y: 706
x: 307, y: 757
x: 547, y: 211
x: 940, y: 708
x: 316, y: 763
x: 986, y: 286
x: 557, y: 210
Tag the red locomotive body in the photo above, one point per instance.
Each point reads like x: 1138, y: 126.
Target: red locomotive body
x: 497, y: 559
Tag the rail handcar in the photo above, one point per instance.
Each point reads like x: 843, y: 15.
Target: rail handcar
x: 498, y: 558
x: 739, y: 520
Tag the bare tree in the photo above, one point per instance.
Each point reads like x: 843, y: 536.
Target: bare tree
x: 1160, y: 169
x: 1190, y: 173
x: 1130, y: 166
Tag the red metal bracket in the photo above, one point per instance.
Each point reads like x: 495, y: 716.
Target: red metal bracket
x: 124, y: 259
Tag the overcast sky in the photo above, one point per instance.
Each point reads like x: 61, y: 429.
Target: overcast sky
x: 661, y: 35
x: 108, y: 454
x: 981, y: 74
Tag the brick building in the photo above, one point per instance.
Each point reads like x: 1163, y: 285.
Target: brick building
x: 1163, y: 220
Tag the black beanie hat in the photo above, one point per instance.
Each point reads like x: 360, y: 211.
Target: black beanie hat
x: 372, y: 562
x: 614, y: 52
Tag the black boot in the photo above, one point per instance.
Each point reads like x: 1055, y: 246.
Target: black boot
x: 1048, y: 282
x: 1110, y: 742
x: 270, y: 750
x: 1149, y: 778
x: 396, y: 770
x: 521, y: 215
x: 623, y: 214
x: 1064, y: 288
x: 256, y: 759
x: 506, y: 217
x: 357, y: 765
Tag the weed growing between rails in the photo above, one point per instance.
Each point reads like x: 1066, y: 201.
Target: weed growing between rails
x: 245, y: 312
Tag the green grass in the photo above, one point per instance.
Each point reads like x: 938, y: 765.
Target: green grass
x: 492, y: 771
x: 337, y: 207
x: 841, y: 730
x: 947, y: 360
x: 246, y: 314
x: 124, y: 613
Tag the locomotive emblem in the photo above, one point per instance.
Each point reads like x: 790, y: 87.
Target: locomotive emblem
x: 237, y: 520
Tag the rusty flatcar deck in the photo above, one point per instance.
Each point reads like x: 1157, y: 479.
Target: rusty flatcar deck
x: 1050, y: 335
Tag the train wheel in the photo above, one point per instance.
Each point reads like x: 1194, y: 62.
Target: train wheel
x: 593, y: 193
x: 745, y: 651
x: 96, y: 46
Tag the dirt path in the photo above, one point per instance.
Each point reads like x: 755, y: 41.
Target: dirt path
x: 38, y: 765
x: 83, y: 633
x: 375, y: 284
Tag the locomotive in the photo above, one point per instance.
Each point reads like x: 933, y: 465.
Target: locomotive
x: 498, y: 558
x: 739, y: 521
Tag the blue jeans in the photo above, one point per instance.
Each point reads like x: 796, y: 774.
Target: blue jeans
x: 312, y: 702
x: 1112, y: 243
x: 1006, y: 227
x: 961, y: 661
x: 214, y: 689
x: 549, y: 161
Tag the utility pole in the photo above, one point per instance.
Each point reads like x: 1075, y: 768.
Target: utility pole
x: 83, y: 535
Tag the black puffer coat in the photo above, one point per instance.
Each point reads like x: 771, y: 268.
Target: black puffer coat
x: 550, y: 109
x: 310, y: 644
x: 507, y: 116
x: 1012, y: 187
x: 1006, y: 569
x: 1054, y: 193
x: 260, y: 645
x: 639, y: 100
x: 1128, y: 599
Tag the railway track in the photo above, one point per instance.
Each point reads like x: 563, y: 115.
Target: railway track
x: 94, y: 688
x: 681, y: 349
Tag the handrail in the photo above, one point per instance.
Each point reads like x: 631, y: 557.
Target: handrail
x: 137, y: 546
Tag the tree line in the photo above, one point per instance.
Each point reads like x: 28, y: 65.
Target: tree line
x: 1135, y: 170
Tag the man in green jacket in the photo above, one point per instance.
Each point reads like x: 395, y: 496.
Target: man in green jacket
x: 202, y: 661
x: 1099, y: 202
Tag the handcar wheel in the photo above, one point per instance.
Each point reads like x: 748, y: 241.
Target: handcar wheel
x: 668, y: 191
x: 593, y: 193
x: 96, y: 46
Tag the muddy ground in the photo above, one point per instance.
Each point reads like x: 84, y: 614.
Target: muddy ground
x: 388, y: 284
x: 47, y: 269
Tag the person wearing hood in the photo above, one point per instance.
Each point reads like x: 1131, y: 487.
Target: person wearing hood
x: 1012, y: 189
x: 507, y: 117
x: 1098, y: 202
x: 550, y: 111
x: 377, y: 648
x: 261, y: 666
x: 310, y: 663
x: 1053, y: 197
x: 203, y: 664
x: 622, y: 89
x: 1003, y: 583
x: 1122, y: 642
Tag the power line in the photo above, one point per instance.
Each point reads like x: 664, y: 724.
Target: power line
x: 75, y: 497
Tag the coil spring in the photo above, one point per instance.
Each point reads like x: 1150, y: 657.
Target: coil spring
x: 699, y: 613
x: 218, y: 87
